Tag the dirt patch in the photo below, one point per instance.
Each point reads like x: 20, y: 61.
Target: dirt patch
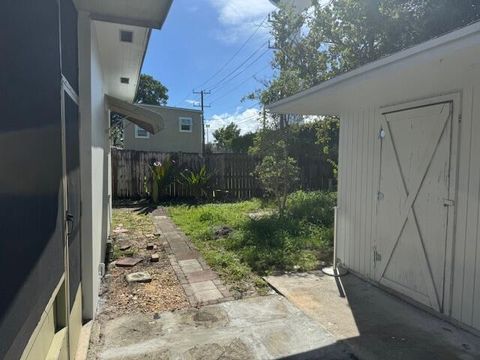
x: 163, y: 293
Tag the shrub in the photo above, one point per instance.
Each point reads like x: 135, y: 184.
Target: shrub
x: 314, y: 207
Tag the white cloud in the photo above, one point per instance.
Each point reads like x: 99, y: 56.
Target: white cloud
x: 247, y: 120
x: 239, y: 17
x: 193, y: 102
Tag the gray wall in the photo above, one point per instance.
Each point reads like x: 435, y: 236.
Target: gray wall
x: 169, y: 139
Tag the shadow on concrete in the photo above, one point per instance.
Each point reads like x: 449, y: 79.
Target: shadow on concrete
x: 372, y: 322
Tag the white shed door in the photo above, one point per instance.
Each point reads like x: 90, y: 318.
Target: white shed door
x: 413, y: 202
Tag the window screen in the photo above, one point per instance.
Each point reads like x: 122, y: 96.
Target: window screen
x: 185, y: 124
x: 141, y: 133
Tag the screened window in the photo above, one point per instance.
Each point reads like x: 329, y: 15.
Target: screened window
x: 141, y: 133
x: 185, y: 124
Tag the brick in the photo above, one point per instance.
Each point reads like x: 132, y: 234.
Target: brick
x: 127, y: 262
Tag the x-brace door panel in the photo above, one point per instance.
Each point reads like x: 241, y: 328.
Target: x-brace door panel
x: 413, y: 202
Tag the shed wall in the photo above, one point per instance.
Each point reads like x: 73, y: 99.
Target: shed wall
x: 357, y: 198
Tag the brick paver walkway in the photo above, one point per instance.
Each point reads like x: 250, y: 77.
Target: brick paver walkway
x: 202, y: 285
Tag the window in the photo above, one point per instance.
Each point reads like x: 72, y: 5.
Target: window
x: 185, y: 124
x: 141, y: 133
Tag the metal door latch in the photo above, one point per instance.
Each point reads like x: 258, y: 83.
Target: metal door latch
x: 376, y: 255
x: 448, y: 202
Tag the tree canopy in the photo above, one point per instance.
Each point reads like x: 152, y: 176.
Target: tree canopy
x: 328, y: 40
x: 225, y: 136
x: 151, y: 91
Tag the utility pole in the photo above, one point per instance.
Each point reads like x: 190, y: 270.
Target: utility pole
x: 202, y: 105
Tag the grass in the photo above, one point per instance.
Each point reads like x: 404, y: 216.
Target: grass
x: 138, y: 224
x: 263, y: 244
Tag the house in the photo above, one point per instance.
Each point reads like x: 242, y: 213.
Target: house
x: 66, y: 63
x: 183, y: 132
x: 409, y: 171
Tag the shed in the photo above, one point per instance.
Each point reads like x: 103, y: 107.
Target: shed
x: 409, y: 171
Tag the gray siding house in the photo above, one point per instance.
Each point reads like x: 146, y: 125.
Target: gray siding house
x: 182, y: 132
x: 70, y: 62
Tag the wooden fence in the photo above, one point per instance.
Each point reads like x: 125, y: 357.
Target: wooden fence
x: 231, y: 173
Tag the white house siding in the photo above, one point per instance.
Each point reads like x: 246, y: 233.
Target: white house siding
x: 357, y: 198
x: 94, y: 160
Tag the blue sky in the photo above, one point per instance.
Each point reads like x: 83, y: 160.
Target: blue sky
x: 197, y: 39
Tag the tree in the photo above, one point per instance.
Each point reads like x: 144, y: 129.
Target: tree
x: 225, y: 136
x: 317, y: 45
x: 150, y: 92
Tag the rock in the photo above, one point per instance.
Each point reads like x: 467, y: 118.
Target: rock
x: 120, y: 231
x: 138, y: 277
x: 224, y: 231
x: 149, y: 236
x: 155, y: 258
x: 124, y: 247
x: 127, y: 262
x: 150, y: 246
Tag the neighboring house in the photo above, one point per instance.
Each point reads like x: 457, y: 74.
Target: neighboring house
x: 183, y: 132
x: 409, y: 171
x: 66, y: 65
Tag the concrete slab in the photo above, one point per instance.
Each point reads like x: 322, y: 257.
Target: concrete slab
x: 257, y: 328
x: 374, y: 323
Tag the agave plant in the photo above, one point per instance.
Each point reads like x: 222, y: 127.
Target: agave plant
x: 197, y: 181
x: 162, y: 176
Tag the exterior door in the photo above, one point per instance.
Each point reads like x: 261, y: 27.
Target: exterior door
x: 414, y: 202
x: 72, y: 145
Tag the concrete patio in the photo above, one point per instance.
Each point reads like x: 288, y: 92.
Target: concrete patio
x: 375, y: 324
x: 268, y: 327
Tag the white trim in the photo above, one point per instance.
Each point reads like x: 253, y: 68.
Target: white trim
x: 141, y: 136
x: 180, y: 124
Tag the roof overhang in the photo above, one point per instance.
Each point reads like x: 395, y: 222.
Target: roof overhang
x: 149, y: 120
x: 120, y: 59
x: 144, y: 13
x: 434, y: 67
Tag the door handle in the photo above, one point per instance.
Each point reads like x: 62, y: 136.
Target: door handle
x: 69, y: 218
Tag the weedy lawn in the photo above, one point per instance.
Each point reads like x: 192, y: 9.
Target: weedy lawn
x: 245, y: 240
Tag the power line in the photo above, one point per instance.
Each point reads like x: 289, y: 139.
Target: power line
x: 239, y: 66
x: 235, y: 54
x: 242, y: 71
x: 240, y: 84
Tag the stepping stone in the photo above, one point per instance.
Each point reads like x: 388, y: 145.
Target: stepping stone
x: 124, y: 247
x: 150, y: 246
x: 190, y: 266
x: 201, y: 276
x: 155, y: 258
x: 138, y: 277
x: 127, y: 262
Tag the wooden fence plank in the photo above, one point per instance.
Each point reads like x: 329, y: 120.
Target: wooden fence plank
x: 231, y: 173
